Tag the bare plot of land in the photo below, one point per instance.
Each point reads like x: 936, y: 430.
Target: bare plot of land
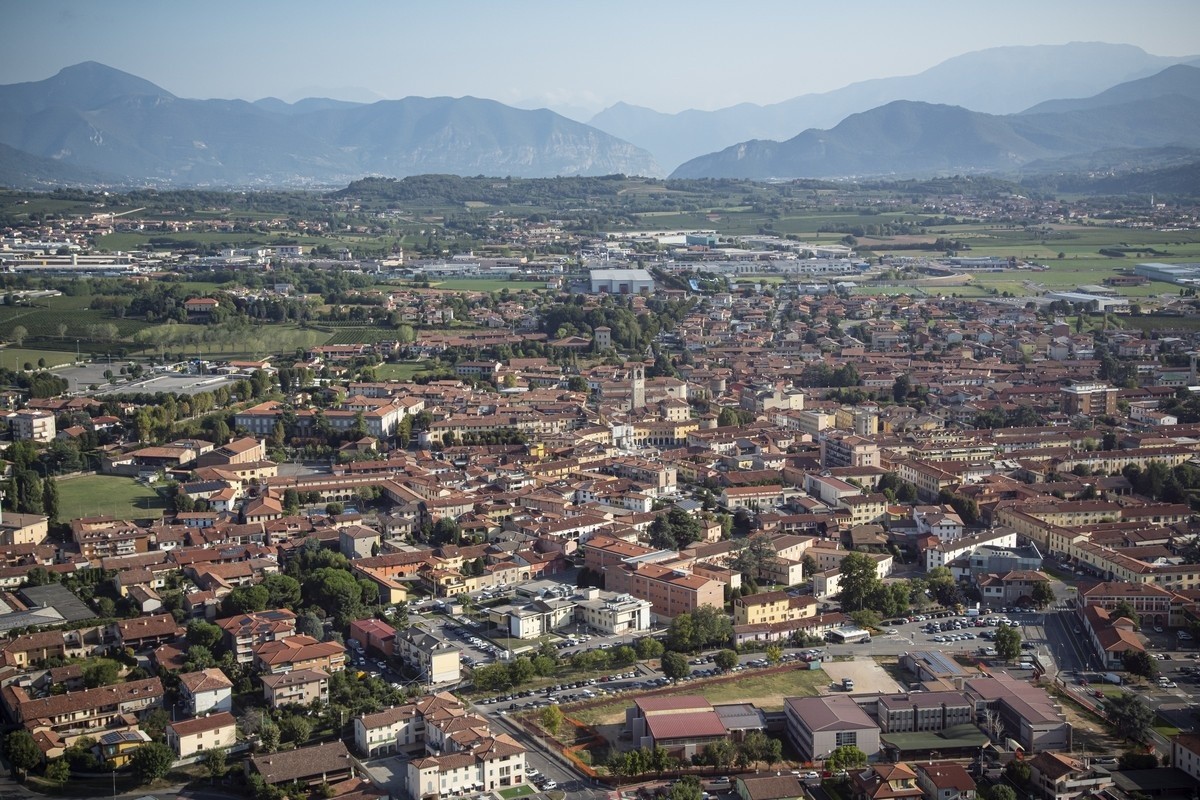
x: 866, y: 674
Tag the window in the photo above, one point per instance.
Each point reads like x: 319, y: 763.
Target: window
x: 847, y: 738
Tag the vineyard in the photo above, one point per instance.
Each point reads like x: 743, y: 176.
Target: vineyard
x: 60, y: 325
x: 361, y: 335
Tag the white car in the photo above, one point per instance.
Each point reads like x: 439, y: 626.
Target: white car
x: 1167, y: 684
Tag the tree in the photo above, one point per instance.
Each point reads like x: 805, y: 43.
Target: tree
x: 1008, y: 643
x: 294, y: 728
x: 268, y: 736
x: 552, y: 719
x: 18, y: 334
x: 686, y: 788
x: 50, y: 498
x: 58, y: 771
x: 521, y: 671
x: 726, y: 659
x: 774, y: 654
x: 1130, y: 715
x: 675, y: 665
x: 1002, y: 792
x: 101, y: 672
x: 860, y: 581
x: 648, y: 647
x: 215, y: 762
x: 1132, y: 759
x: 152, y: 761
x: 1125, y: 609
x: 1139, y: 662
x: 154, y: 722
x: 245, y: 599
x: 1042, y: 595
x: 204, y: 634
x: 846, y: 757
x: 199, y: 658
x: 283, y: 591
x: 622, y: 656
x: 719, y: 754
x: 22, y: 751
x: 866, y: 618
x: 1018, y: 773
x: 311, y: 623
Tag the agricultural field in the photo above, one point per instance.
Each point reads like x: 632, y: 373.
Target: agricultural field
x: 360, y: 335
x: 17, y: 357
x: 226, y: 341
x: 128, y: 241
x: 60, y: 321
x: 121, y: 497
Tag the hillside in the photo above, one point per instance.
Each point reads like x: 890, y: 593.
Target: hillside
x: 907, y: 138
x: 96, y: 118
x: 1001, y: 80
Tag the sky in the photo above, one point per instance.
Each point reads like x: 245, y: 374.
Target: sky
x: 573, y: 56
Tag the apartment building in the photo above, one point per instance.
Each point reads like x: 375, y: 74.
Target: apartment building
x: 431, y: 656
x: 91, y: 712
x: 205, y: 691
x: 772, y: 607
x: 298, y: 652
x: 671, y: 591
x: 33, y: 425
x: 246, y: 631
x: 210, y: 732
x: 298, y: 687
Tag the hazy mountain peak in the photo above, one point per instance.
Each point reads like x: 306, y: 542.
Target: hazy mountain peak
x: 998, y: 80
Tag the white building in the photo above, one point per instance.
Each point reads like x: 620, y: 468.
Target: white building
x: 621, y: 281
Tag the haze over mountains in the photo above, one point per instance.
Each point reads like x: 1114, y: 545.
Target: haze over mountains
x: 102, y: 119
x: 906, y: 138
x: 1003, y: 109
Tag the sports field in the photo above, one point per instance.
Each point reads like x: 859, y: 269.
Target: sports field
x: 114, y: 495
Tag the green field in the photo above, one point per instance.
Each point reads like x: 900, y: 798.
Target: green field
x: 360, y: 335
x: 484, y: 285
x: 17, y: 357
x: 399, y: 372
x: 113, y: 495
x: 232, y: 341
x: 136, y: 241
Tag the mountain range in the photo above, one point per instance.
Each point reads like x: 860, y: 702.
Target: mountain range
x: 999, y: 80
x: 1083, y: 106
x: 99, y: 119
x: 907, y: 138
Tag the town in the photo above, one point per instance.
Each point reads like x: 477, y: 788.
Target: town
x: 375, y: 499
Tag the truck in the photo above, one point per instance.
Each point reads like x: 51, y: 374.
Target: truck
x: 1112, y: 677
x: 847, y: 685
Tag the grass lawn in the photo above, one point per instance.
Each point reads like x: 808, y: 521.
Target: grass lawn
x: 1166, y: 729
x: 17, y: 357
x: 481, y: 285
x: 115, y: 495
x: 399, y: 372
x: 765, y: 691
x: 517, y: 791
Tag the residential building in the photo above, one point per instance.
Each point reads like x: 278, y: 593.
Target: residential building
x: 311, y: 766
x: 671, y: 591
x: 945, y: 782
x: 205, y: 691
x: 33, y: 425
x: 430, y: 655
x: 211, y: 732
x: 1059, y: 776
x: 246, y: 631
x: 299, y: 687
x: 298, y: 652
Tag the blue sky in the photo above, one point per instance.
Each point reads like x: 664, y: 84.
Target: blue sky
x: 569, y: 55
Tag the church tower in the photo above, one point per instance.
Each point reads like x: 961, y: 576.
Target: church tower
x: 637, y: 380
